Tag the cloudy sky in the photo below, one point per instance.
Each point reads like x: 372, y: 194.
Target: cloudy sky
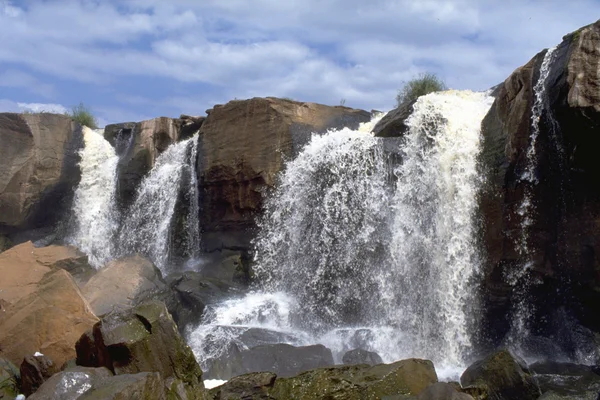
x: 136, y: 59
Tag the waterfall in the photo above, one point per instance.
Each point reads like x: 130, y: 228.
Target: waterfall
x: 95, y: 216
x: 366, y: 254
x: 520, y: 278
x: 148, y: 221
x: 433, y: 248
x: 147, y: 225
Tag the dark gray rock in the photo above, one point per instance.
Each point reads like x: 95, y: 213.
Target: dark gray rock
x: 282, y: 359
x: 360, y: 356
x: 393, y: 124
x: 71, y: 384
x: 504, y: 376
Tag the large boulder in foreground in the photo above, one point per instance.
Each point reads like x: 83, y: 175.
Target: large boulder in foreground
x: 38, y: 160
x: 562, y: 227
x: 243, y: 145
x: 120, y: 282
x: 142, y: 339
x: 504, y: 376
x: 49, y: 320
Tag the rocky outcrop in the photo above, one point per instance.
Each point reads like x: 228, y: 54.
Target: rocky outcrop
x: 563, y: 234
x: 49, y: 319
x: 442, y: 391
x: 38, y: 160
x: 243, y: 145
x: 139, y: 144
x: 142, y: 339
x: 566, y: 381
x: 121, y: 282
x: 393, y: 123
x: 503, y: 377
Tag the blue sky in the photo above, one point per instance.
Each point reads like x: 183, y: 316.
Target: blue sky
x: 138, y: 59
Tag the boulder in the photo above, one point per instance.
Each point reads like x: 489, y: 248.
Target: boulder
x: 99, y: 383
x: 243, y: 146
x: 254, y: 386
x: 22, y: 267
x: 442, y: 391
x: 49, y: 319
x: 393, y: 123
x: 35, y: 370
x: 504, y: 376
x: 38, y: 160
x: 564, y: 232
x: 403, y: 378
x: 10, y: 380
x: 121, y: 282
x: 141, y: 339
x: 282, y: 359
x: 360, y: 356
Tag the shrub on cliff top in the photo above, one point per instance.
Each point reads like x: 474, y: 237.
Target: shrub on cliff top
x: 82, y: 115
x: 424, y: 84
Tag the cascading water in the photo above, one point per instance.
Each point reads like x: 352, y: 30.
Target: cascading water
x: 433, y: 250
x: 359, y: 254
x: 520, y: 278
x: 95, y: 214
x: 148, y: 222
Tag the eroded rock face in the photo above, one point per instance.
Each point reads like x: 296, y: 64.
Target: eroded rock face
x: 121, y: 282
x: 243, y: 145
x: 49, y: 319
x: 38, y: 160
x: 564, y: 233
x: 139, y: 144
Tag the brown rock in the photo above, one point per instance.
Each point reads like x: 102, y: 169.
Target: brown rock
x: 38, y: 160
x: 243, y: 146
x: 49, y: 319
x: 120, y: 282
x: 35, y: 370
x: 23, y: 266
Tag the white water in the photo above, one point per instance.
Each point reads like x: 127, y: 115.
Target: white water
x: 148, y: 222
x: 520, y: 279
x: 352, y: 253
x: 94, y: 206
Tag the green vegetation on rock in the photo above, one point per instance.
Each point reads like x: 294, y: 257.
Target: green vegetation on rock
x: 83, y: 116
x: 424, y: 84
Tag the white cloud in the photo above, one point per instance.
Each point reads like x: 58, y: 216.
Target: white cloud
x: 42, y: 107
x: 309, y: 50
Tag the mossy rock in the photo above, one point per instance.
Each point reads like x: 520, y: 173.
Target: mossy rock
x: 361, y: 382
x: 9, y: 380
